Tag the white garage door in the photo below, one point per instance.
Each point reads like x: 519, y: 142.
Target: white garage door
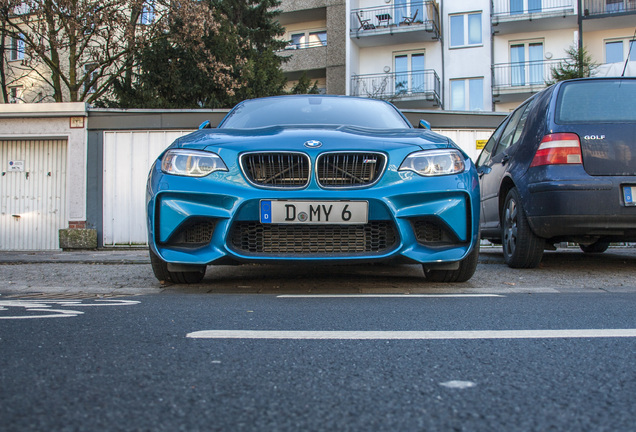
x: 32, y: 194
x: 127, y: 160
x: 467, y: 139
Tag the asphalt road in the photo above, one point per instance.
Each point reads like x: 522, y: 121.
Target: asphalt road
x: 93, y: 342
x: 138, y: 363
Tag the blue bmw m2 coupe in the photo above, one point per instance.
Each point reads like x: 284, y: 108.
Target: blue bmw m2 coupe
x: 313, y: 178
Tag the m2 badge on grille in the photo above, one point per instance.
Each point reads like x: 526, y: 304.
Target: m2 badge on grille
x: 314, y: 212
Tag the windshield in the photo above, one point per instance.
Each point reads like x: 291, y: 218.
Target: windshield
x: 602, y: 101
x: 314, y: 110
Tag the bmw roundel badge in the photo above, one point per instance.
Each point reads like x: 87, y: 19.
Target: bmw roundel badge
x: 313, y: 144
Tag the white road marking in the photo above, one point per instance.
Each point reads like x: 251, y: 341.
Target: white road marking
x: 412, y: 335
x: 386, y: 295
x: 458, y: 384
x: 56, y: 313
x: 45, y: 306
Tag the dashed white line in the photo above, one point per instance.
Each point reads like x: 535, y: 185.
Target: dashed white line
x: 386, y: 295
x: 413, y: 335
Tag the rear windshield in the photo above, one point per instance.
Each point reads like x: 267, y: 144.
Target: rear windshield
x: 602, y: 101
x: 314, y: 110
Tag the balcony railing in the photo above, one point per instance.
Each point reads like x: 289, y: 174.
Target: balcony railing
x: 414, y: 14
x: 511, y: 8
x: 523, y: 75
x: 303, y: 45
x: 398, y: 85
x: 604, y: 7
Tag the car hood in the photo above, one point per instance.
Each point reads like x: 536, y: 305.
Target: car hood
x: 294, y: 138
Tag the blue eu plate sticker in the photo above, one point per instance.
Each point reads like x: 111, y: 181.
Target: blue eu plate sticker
x: 266, y: 212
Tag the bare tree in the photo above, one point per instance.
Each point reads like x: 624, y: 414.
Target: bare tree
x: 75, y: 49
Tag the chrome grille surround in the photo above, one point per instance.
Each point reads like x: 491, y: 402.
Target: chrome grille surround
x: 349, y: 169
x: 276, y: 170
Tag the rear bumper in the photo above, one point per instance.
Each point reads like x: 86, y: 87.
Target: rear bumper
x: 581, y: 208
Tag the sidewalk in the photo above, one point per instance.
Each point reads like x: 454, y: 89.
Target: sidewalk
x: 104, y: 256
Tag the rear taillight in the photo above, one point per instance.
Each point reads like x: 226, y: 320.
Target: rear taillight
x: 557, y: 149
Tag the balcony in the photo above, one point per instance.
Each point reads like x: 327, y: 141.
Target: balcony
x: 608, y: 14
x: 377, y: 26
x: 515, y: 82
x: 592, y: 8
x: 305, y: 55
x: 405, y: 89
x: 516, y: 16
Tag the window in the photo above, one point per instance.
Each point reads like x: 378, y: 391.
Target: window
x: 523, y: 72
x: 607, y: 100
x: 408, y: 11
x: 409, y: 73
x: 512, y: 132
x: 467, y: 94
x: 17, y: 48
x: 484, y: 156
x: 308, y: 39
x: 147, y: 13
x: 465, y: 30
x: 22, y: 9
x: 616, y: 51
x: 15, y: 94
x: 614, y: 6
x: 524, y: 6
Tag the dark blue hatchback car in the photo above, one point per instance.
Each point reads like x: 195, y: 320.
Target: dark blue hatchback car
x: 562, y: 167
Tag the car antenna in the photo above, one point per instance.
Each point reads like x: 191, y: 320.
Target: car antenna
x: 631, y: 44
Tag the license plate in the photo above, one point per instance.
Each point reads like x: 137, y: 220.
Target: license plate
x: 314, y: 212
x: 629, y: 195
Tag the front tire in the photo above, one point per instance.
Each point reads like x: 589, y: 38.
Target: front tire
x: 160, y: 269
x: 521, y: 247
x: 465, y: 271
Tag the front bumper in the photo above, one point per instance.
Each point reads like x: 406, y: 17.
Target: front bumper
x: 195, y: 221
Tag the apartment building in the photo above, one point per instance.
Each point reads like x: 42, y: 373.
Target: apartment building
x: 317, y: 34
x: 454, y: 55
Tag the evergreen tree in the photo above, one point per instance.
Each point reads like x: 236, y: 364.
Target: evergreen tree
x: 235, y: 59
x: 578, y: 64
x: 304, y: 86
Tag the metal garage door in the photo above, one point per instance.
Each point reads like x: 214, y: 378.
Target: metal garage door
x: 127, y: 160
x: 32, y: 194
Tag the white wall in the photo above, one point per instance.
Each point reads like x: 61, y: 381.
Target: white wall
x: 555, y: 42
x: 467, y: 62
x: 372, y: 60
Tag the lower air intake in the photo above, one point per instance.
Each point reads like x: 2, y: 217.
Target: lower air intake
x: 433, y: 233
x: 255, y: 238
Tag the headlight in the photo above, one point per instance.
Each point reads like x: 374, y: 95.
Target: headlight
x: 191, y: 163
x: 434, y: 162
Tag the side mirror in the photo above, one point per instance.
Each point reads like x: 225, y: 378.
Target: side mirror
x: 423, y: 124
x: 205, y: 125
